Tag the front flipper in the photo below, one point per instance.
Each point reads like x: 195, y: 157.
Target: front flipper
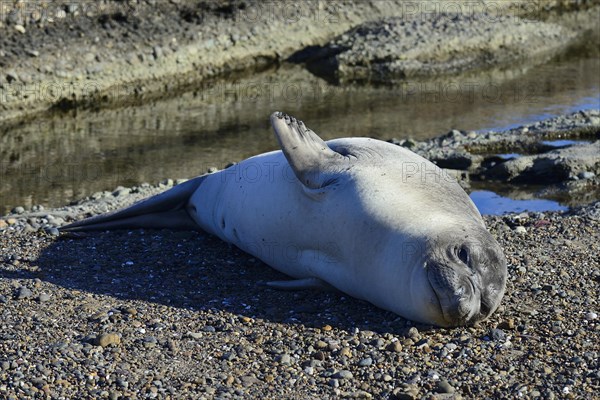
x: 167, y: 210
x: 313, y: 162
x: 302, y: 284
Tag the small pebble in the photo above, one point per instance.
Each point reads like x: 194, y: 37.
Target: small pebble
x: 520, y: 230
x: 343, y: 374
x: 24, y: 293
x: 498, y: 335
x: 43, y: 297
x: 107, y: 339
x: 586, y: 175
x: 591, y: 316
x: 507, y: 324
x: 53, y: 231
x: 444, y: 387
x: 285, y: 359
x: 365, y: 362
x: 346, y: 352
x: 394, y: 346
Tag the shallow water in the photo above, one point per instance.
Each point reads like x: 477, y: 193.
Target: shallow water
x: 488, y: 202
x: 53, y: 160
x: 563, y: 143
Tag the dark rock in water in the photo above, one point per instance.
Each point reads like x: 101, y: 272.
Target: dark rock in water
x: 314, y: 53
x: 457, y: 160
x: 552, y: 167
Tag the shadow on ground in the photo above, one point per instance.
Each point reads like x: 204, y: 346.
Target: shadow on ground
x: 196, y: 271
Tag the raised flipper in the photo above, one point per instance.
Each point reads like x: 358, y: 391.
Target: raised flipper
x: 302, y: 284
x: 167, y: 210
x: 312, y: 161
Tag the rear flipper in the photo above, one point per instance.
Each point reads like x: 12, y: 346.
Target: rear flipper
x: 302, y: 284
x: 167, y: 210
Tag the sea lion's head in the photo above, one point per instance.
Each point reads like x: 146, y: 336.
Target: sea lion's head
x: 467, y: 273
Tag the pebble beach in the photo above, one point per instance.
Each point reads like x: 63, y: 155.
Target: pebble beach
x: 176, y: 314
x: 161, y: 314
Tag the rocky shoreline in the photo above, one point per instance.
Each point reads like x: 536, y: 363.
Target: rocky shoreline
x: 560, y: 153
x: 159, y: 314
x: 162, y: 314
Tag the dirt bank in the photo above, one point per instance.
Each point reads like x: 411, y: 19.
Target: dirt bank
x: 65, y: 54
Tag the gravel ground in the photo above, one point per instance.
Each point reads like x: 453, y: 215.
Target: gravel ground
x: 162, y: 314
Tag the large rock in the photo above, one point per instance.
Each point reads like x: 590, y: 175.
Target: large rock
x: 552, y: 167
x: 431, y: 44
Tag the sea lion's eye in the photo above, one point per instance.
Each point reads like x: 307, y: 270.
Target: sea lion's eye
x: 463, y: 255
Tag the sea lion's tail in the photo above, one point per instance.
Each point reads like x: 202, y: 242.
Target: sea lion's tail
x: 167, y: 210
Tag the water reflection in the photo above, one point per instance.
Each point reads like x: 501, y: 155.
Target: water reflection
x: 53, y: 160
x: 562, y: 143
x: 492, y: 203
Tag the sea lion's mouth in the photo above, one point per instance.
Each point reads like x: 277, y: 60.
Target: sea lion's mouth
x: 436, y: 299
x: 456, y: 296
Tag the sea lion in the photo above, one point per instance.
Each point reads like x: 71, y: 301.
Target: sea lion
x: 367, y: 217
